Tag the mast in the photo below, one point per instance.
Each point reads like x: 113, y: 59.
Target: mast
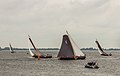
x: 34, y: 47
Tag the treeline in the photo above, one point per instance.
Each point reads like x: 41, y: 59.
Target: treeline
x: 7, y: 48
x: 91, y: 48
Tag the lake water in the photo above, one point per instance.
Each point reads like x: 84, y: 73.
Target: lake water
x: 21, y: 64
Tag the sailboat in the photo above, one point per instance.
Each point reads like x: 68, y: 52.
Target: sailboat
x: 39, y: 54
x: 92, y: 65
x: 69, y: 50
x: 11, y: 49
x: 101, y: 50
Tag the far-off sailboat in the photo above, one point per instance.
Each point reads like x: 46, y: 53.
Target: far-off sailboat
x: 11, y: 49
x: 39, y: 54
x: 69, y: 50
x: 101, y: 50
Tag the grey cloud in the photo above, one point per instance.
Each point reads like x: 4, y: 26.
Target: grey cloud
x: 43, y: 18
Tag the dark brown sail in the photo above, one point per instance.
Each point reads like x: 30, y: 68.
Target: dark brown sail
x: 66, y: 50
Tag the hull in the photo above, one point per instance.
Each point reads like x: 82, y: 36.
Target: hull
x: 106, y: 54
x: 12, y: 52
x: 82, y: 57
x: 50, y: 56
x: 36, y: 56
x: 91, y: 67
x: 72, y: 58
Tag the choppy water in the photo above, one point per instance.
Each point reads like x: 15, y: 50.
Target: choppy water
x: 21, y: 64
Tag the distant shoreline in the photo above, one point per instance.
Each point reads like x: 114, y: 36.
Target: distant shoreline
x: 7, y: 48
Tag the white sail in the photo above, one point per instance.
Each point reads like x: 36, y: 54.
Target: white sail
x: 100, y: 51
x: 11, y: 49
x: 76, y: 49
x: 31, y: 53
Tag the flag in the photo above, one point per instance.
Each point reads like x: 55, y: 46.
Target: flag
x: 38, y: 56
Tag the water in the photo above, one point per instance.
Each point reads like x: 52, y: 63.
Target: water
x: 21, y: 64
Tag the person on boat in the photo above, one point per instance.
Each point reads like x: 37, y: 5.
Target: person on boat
x: 91, y: 63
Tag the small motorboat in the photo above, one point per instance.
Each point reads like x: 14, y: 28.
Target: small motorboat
x: 92, y: 65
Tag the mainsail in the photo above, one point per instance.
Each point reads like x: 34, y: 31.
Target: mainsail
x: 99, y: 47
x: 69, y: 49
x: 11, y: 49
x: 66, y: 49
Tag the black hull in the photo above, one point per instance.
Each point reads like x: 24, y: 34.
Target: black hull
x: 72, y: 58
x: 42, y: 56
x: 45, y: 56
x: 91, y: 67
x: 106, y: 54
x: 35, y: 56
x: 12, y: 52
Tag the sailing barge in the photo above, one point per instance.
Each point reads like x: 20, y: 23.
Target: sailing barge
x: 69, y: 50
x: 39, y: 54
x: 102, y: 53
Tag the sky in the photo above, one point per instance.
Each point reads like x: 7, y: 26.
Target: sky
x: 47, y: 20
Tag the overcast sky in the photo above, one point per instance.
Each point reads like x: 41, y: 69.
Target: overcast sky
x: 47, y: 20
